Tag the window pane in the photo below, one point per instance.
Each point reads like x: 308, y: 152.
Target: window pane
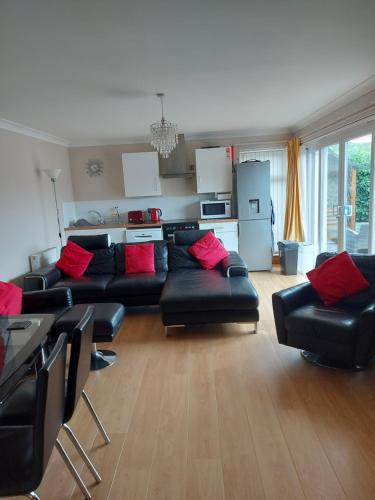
x: 358, y: 167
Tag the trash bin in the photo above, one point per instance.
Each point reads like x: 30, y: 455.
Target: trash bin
x: 288, y: 251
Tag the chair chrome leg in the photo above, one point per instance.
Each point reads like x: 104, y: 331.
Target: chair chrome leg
x: 32, y: 495
x: 255, y: 328
x: 95, y: 417
x: 82, y: 453
x: 73, y: 470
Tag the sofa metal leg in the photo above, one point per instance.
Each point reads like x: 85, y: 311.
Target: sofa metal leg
x: 166, y: 331
x: 32, y: 495
x: 102, y: 358
x: 255, y: 330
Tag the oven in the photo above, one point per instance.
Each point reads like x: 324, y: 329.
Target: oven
x: 170, y: 227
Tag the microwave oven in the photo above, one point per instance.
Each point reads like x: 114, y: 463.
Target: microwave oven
x: 216, y: 209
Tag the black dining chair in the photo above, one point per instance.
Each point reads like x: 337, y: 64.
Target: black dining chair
x: 79, y: 369
x: 30, y: 420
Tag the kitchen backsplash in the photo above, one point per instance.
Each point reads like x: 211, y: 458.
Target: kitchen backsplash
x: 173, y: 207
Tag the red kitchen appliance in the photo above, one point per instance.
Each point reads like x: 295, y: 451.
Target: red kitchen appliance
x: 135, y: 216
x: 156, y: 213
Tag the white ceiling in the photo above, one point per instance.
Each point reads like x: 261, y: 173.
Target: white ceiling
x: 86, y: 70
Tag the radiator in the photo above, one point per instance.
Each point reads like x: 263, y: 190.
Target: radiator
x: 44, y: 258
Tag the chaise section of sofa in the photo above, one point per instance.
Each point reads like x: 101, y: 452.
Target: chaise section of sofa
x: 194, y: 295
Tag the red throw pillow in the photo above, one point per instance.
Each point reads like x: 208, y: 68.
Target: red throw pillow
x: 10, y: 299
x: 208, y: 251
x: 336, y: 278
x: 74, y: 260
x: 139, y: 258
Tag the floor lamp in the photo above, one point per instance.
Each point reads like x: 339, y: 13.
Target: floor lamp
x: 53, y: 175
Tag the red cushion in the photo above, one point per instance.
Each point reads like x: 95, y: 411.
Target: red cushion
x: 74, y: 260
x: 10, y: 298
x: 139, y: 258
x: 336, y: 278
x: 208, y: 251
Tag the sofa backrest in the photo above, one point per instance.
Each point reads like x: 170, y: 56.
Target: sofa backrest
x: 179, y: 257
x: 366, y: 264
x: 160, y: 255
x: 100, y: 245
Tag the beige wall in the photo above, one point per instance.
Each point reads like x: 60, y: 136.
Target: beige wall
x: 110, y: 185
x: 28, y: 221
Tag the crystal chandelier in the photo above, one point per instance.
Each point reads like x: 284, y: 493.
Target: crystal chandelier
x: 163, y: 134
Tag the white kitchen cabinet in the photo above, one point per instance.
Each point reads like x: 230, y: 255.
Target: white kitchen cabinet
x: 226, y: 231
x: 117, y: 234
x: 213, y: 170
x: 142, y: 235
x: 141, y: 174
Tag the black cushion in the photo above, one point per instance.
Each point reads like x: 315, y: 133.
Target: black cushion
x: 91, y: 242
x: 103, y: 261
x: 108, y: 318
x: 136, y: 284
x: 180, y: 258
x: 86, y: 287
x: 324, y: 323
x: 160, y: 256
x: 188, y: 238
x: 200, y: 290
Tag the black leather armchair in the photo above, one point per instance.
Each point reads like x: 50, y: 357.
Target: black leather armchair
x: 341, y: 335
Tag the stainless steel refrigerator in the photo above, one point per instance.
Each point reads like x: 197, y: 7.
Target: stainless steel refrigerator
x: 254, y: 211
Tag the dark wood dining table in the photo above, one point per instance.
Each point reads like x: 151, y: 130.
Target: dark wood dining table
x: 20, y: 348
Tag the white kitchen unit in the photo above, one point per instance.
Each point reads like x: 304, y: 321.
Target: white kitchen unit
x: 142, y: 235
x: 141, y: 174
x: 214, y: 170
x: 226, y: 231
x: 117, y: 234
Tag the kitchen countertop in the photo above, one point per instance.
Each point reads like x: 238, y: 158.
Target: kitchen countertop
x: 128, y: 225
x: 125, y: 225
x: 210, y: 221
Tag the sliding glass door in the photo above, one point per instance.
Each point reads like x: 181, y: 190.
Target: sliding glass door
x: 345, y: 197
x: 357, y: 193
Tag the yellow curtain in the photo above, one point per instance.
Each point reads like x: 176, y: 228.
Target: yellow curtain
x: 293, y: 228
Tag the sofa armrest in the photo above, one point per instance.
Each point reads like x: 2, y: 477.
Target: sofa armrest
x: 286, y: 301
x: 39, y: 299
x: 233, y: 265
x: 42, y: 279
x: 365, y: 348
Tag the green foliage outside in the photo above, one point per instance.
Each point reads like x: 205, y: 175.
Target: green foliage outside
x: 359, y: 157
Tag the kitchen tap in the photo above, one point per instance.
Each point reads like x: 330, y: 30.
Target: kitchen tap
x: 99, y: 215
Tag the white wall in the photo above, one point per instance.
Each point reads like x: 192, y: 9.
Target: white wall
x: 28, y: 221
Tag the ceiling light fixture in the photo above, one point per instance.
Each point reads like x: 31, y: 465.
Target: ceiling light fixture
x: 163, y: 134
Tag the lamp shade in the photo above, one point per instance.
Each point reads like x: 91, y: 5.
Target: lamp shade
x: 52, y: 173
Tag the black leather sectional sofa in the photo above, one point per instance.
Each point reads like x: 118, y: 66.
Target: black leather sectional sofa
x: 187, y: 294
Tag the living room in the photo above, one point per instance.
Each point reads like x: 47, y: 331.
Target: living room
x: 195, y: 404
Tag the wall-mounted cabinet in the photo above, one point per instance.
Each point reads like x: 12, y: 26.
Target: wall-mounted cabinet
x: 214, y: 170
x: 141, y: 174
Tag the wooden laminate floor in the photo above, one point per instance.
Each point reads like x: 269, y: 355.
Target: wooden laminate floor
x: 214, y: 413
